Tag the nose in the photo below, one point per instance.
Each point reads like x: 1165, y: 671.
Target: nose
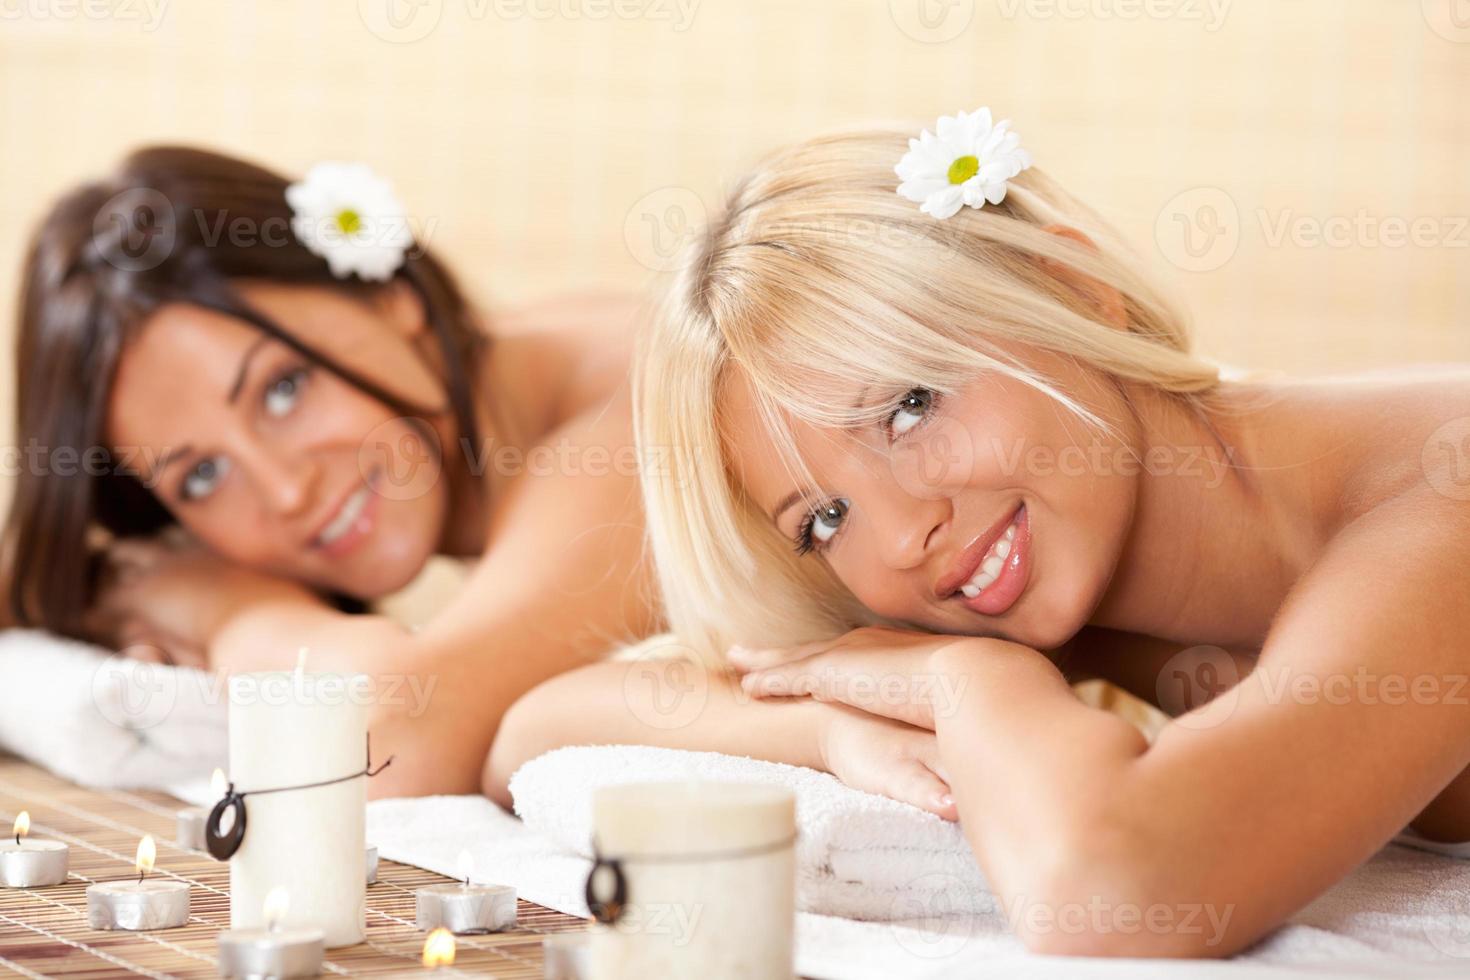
x: 905, y: 527
x: 286, y: 479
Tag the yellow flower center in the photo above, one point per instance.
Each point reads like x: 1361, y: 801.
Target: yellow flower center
x: 963, y: 169
x: 351, y: 222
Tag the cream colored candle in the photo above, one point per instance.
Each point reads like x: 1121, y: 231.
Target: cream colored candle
x: 709, y: 880
x: 289, y: 729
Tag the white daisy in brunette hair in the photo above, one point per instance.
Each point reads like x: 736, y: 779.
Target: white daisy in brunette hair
x: 348, y: 215
x: 968, y: 162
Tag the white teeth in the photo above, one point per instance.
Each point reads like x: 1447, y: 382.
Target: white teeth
x: 994, y: 562
x: 349, y: 513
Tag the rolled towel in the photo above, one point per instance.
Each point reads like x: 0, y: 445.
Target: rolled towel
x: 858, y: 855
x: 105, y: 720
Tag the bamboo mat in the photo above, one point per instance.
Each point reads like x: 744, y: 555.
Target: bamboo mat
x: 44, y: 932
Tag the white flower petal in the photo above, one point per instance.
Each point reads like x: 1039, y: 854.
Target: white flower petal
x: 945, y: 203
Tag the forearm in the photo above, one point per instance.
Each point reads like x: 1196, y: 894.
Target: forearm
x: 672, y: 704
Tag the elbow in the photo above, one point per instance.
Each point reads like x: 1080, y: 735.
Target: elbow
x: 1107, y: 893
x: 518, y: 739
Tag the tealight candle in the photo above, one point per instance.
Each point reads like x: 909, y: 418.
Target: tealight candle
x: 138, y: 905
x: 372, y: 865
x: 272, y: 951
x: 465, y: 907
x: 190, y: 821
x: 26, y: 863
x: 693, y: 879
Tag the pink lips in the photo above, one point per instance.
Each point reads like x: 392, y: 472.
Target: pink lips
x: 1001, y: 594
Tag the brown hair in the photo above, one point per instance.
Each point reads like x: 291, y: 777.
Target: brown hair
x: 157, y: 231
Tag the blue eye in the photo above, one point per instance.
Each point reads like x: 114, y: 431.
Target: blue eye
x: 202, y: 479
x: 281, y: 395
x: 821, y: 525
x: 910, y: 411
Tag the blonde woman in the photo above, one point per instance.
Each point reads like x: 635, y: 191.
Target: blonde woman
x: 922, y: 461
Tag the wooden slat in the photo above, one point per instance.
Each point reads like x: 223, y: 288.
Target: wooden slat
x: 44, y: 931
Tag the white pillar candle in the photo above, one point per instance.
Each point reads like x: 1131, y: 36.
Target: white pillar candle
x: 289, y: 729
x: 710, y: 881
x: 564, y: 956
x: 139, y: 904
x: 27, y: 863
x: 273, y: 951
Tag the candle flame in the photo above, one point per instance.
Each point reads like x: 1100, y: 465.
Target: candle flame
x: 147, y: 855
x: 218, y: 784
x: 277, y: 904
x: 439, y: 949
x: 300, y: 662
x: 22, y: 825
x: 465, y: 863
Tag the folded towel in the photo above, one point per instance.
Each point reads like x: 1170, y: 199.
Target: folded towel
x: 858, y: 855
x: 106, y: 720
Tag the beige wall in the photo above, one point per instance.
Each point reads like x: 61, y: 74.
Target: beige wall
x: 530, y: 143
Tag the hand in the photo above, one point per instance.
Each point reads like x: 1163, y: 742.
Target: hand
x: 164, y: 599
x: 881, y: 756
x: 886, y: 672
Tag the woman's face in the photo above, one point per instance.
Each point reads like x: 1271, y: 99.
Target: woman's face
x: 271, y: 460
x: 993, y: 511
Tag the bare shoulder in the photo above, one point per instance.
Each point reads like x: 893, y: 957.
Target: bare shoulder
x: 587, y: 338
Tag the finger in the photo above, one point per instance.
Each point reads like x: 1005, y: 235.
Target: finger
x: 915, y: 783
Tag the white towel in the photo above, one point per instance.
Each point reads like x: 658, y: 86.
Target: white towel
x: 105, y: 720
x: 858, y: 855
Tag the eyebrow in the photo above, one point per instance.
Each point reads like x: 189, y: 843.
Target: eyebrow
x: 235, y: 389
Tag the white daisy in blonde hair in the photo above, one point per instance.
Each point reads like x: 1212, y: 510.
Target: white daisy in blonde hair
x: 968, y: 162
x: 349, y: 216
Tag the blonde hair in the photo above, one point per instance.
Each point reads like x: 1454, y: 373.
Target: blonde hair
x: 819, y: 278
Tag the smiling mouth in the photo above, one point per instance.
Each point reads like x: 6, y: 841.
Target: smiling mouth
x: 352, y: 520
x: 1000, y: 575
